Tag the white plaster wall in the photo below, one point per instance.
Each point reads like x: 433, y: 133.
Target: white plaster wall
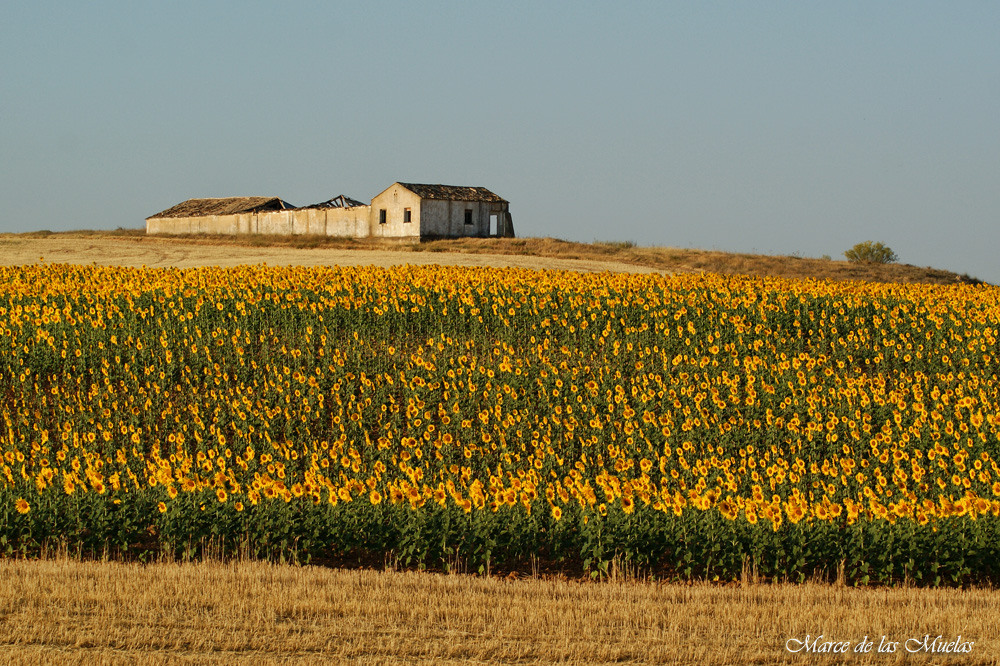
x: 341, y: 222
x: 278, y: 223
x: 162, y: 225
x: 347, y: 222
x: 344, y: 222
x: 207, y: 224
x: 395, y: 200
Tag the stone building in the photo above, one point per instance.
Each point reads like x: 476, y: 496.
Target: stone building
x: 403, y: 211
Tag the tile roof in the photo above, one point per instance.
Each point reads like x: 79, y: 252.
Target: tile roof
x: 453, y: 192
x: 224, y: 206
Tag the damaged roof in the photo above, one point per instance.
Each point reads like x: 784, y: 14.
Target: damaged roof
x: 453, y: 192
x: 224, y: 206
x: 341, y: 201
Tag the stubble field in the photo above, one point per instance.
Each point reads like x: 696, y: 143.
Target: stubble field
x: 66, y: 612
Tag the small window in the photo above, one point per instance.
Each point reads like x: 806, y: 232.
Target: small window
x: 406, y: 215
x: 468, y: 216
x: 381, y: 215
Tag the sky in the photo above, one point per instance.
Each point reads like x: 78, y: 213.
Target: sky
x: 791, y: 128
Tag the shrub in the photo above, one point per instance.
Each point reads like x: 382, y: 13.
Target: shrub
x: 871, y: 253
x: 616, y: 245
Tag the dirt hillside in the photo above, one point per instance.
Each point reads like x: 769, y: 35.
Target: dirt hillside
x: 134, y: 248
x: 183, y: 253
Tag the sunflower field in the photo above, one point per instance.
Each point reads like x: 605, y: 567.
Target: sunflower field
x: 688, y: 425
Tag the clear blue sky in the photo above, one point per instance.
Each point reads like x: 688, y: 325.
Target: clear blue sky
x: 782, y: 128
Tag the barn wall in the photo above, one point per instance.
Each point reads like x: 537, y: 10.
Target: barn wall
x: 348, y: 222
x: 208, y: 224
x: 428, y: 217
x: 447, y: 218
x: 278, y: 223
x: 342, y: 222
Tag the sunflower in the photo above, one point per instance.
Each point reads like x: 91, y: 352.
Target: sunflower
x: 22, y: 505
x: 161, y: 507
x: 728, y: 509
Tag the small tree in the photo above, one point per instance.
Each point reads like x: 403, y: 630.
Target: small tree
x: 871, y: 253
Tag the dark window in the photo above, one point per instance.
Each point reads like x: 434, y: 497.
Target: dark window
x: 406, y: 215
x: 468, y: 216
x: 381, y: 215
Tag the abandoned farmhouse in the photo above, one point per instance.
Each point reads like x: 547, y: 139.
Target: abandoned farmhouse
x: 403, y: 211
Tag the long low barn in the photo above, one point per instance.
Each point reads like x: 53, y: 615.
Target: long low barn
x: 403, y: 211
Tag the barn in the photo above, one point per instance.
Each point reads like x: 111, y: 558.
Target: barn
x: 403, y: 211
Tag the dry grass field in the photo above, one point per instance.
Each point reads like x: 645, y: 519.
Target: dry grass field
x: 158, y: 252
x: 61, y: 611
x: 134, y: 248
